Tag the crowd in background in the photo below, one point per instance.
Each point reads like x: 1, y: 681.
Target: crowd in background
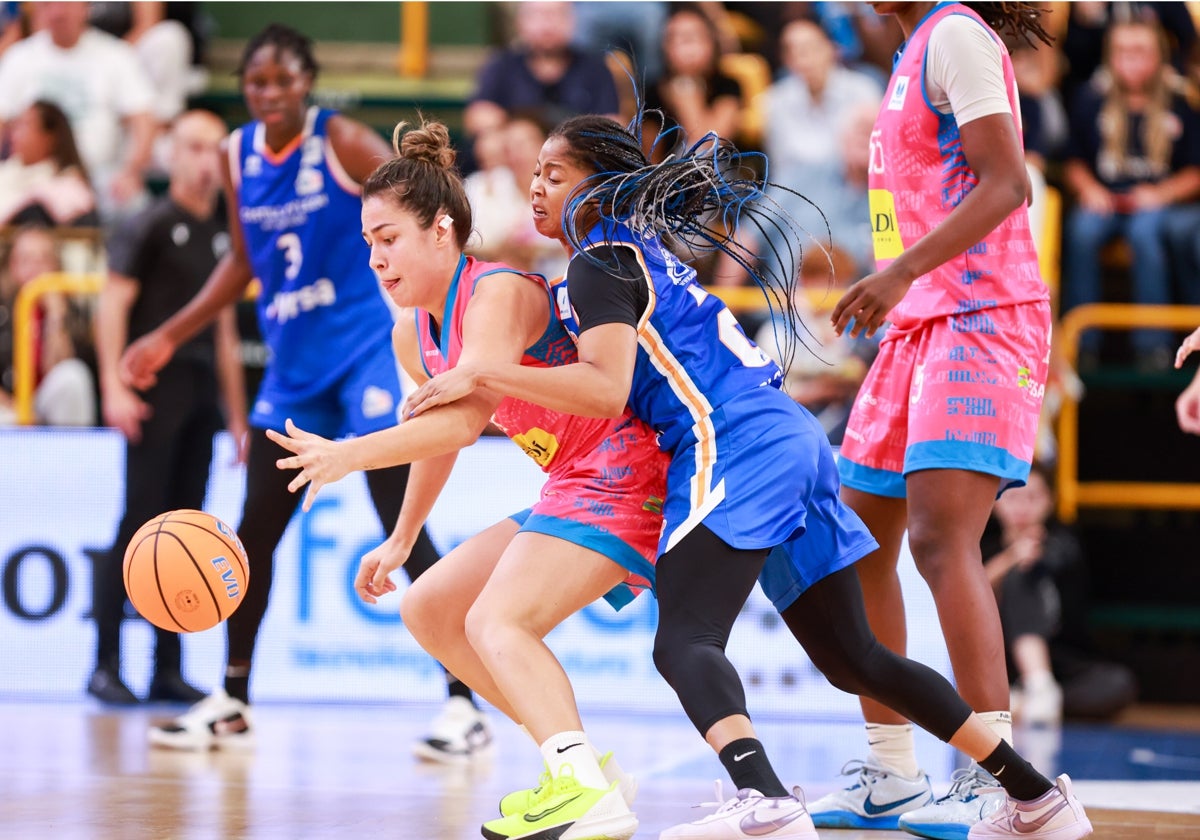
x: 1110, y: 117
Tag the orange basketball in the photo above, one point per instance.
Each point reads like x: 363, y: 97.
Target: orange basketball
x: 185, y: 570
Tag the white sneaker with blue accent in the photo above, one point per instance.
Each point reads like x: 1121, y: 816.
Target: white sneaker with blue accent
x: 974, y: 796
x: 876, y: 799
x: 1055, y: 815
x: 459, y: 733
x: 749, y: 815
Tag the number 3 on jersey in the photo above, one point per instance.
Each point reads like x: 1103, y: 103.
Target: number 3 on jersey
x: 731, y: 335
x: 293, y: 254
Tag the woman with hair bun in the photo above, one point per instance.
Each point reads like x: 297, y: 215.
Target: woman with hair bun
x: 484, y: 609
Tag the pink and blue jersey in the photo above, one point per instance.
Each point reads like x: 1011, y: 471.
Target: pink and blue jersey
x: 961, y: 372
x: 606, y: 478
x: 320, y: 309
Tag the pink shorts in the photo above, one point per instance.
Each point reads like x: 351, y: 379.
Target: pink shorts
x: 962, y: 393
x: 611, y: 502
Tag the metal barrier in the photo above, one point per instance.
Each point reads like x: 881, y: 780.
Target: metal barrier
x: 1072, y: 493
x: 24, y: 375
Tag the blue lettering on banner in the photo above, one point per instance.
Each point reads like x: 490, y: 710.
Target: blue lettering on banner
x: 310, y: 542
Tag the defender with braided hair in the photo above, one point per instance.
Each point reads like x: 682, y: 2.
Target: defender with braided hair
x: 752, y: 488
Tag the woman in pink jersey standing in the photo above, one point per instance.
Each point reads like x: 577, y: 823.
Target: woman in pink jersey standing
x: 948, y: 414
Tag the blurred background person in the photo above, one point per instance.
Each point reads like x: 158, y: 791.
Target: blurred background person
x: 1037, y: 568
x: 541, y: 73
x: 11, y: 24
x: 43, y: 180
x: 64, y: 391
x: 100, y: 85
x: 691, y: 94
x: 631, y: 26
x: 157, y: 262
x: 1133, y: 155
x: 499, y: 197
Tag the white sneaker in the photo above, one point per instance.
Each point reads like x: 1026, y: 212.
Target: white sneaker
x: 749, y: 815
x: 1055, y: 815
x: 1041, y: 703
x: 974, y: 795
x: 520, y: 801
x: 876, y: 800
x: 217, y: 721
x: 459, y: 732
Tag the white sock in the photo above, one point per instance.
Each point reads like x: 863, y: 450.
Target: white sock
x: 891, y: 747
x: 575, y: 749
x: 1000, y: 723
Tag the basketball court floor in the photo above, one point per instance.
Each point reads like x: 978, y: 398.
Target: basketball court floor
x: 71, y: 770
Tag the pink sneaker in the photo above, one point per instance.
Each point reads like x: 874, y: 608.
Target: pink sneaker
x: 750, y: 815
x: 1055, y: 815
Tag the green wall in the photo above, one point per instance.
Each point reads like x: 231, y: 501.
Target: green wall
x: 449, y: 22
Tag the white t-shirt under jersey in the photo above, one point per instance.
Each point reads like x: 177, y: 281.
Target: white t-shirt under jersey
x: 964, y: 71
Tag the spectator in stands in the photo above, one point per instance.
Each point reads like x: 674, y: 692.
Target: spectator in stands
x: 1133, y: 156
x: 692, y: 94
x: 1037, y: 570
x: 64, y: 393
x: 499, y: 196
x: 99, y: 83
x: 1187, y: 406
x: 43, y: 180
x: 158, y: 261
x: 541, y: 74
x: 1088, y: 26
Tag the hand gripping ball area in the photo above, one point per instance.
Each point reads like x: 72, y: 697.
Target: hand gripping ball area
x: 185, y: 570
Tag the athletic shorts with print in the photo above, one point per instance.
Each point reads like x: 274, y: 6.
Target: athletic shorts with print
x: 961, y: 393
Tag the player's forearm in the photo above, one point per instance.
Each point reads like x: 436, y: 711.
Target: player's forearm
x: 111, y: 334
x: 425, y: 482
x: 579, y: 388
x: 442, y: 431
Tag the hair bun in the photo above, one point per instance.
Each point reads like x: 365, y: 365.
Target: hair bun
x: 430, y: 143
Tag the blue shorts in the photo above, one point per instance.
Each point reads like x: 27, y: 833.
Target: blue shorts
x: 834, y: 538
x: 365, y: 400
x: 746, y: 472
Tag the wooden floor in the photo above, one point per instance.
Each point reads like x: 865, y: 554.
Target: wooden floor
x: 71, y: 770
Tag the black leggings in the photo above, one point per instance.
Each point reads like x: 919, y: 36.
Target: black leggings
x: 265, y: 515
x: 830, y: 622
x: 702, y: 584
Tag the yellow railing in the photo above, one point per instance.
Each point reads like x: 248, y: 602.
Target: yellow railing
x: 413, y: 58
x: 24, y: 374
x: 1072, y: 493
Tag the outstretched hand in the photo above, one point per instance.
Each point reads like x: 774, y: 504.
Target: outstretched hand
x: 444, y: 388
x: 372, y: 581
x: 319, y: 460
x: 144, y: 358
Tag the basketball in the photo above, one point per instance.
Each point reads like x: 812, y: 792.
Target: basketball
x: 185, y: 570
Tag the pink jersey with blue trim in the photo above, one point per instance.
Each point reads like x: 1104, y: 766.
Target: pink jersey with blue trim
x: 549, y: 437
x: 919, y: 174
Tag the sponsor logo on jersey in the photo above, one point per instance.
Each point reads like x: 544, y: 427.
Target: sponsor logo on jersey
x: 309, y: 182
x: 180, y: 234
x: 287, y: 305
x: 885, y: 233
x: 899, y: 94
x: 252, y: 167
x: 220, y: 244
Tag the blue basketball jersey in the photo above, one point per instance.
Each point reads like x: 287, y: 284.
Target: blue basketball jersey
x: 692, y: 354
x: 320, y: 309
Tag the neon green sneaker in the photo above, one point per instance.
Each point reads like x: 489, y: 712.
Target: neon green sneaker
x: 522, y: 800
x: 563, y: 809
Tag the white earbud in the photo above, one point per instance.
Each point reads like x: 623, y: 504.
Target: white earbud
x: 445, y: 222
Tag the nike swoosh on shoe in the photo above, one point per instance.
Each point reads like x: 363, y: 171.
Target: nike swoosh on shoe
x: 531, y: 817
x: 1039, y: 821
x: 755, y: 827
x: 874, y: 810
